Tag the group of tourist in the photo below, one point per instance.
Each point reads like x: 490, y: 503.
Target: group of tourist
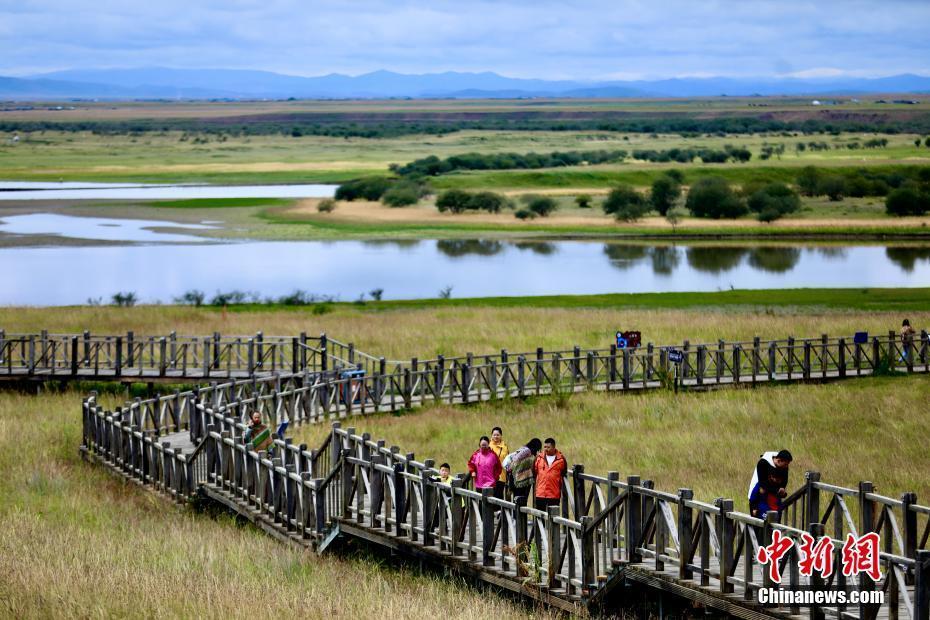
x: 537, y: 467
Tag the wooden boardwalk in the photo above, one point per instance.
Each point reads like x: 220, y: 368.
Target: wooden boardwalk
x: 607, y: 532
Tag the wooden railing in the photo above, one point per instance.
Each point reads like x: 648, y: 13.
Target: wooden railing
x: 179, y: 358
x: 604, y: 528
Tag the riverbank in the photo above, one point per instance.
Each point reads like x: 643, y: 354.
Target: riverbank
x: 855, y: 219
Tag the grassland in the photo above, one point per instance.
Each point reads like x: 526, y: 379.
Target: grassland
x: 78, y: 542
x: 174, y: 157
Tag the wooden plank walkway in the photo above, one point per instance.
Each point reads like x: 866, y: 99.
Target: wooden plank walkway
x: 605, y: 533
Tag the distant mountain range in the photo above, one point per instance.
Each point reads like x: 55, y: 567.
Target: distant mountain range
x: 162, y: 83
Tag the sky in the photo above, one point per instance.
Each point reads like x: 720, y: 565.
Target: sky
x: 592, y: 40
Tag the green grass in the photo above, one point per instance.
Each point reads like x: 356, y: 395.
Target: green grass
x: 219, y: 203
x: 860, y: 429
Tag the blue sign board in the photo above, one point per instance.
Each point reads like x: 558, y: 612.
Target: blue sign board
x: 861, y: 338
x: 675, y: 356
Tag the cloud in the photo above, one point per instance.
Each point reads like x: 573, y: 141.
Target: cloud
x: 579, y: 40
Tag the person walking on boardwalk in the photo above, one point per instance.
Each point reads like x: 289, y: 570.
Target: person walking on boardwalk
x: 257, y: 433
x: 907, y: 339
x: 549, y: 468
x: 769, y: 483
x: 500, y: 449
x: 484, y: 466
x: 518, y: 467
x: 445, y: 474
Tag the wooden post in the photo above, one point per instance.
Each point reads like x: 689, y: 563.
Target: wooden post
x: 458, y: 516
x: 626, y: 369
x: 162, y: 356
x: 817, y: 581
x: 521, y: 542
x: 922, y: 586
x: 324, y: 353
x: 377, y: 491
x: 756, y: 357
x: 118, y: 367
x: 772, y: 359
x: 685, y: 533
x: 841, y: 358
x: 701, y: 365
x: 866, y: 525
x: 578, y: 490
x: 521, y: 376
x: 813, y: 497
x: 770, y: 519
x: 909, y: 525
x: 74, y: 356
x: 721, y: 359
x: 613, y: 364
x: 588, y: 569
x: 466, y: 379
x: 737, y: 362
x: 876, y: 352
x: 487, y: 527
x: 555, y: 550
x: 400, y: 499
x: 650, y: 351
x: 725, y: 535
x: 430, y: 502
x: 807, y: 360
x: 633, y: 521
x: 790, y: 357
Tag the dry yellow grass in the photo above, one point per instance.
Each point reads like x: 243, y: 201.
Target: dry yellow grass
x: 455, y: 330
x: 77, y: 542
x: 357, y: 212
x: 860, y: 429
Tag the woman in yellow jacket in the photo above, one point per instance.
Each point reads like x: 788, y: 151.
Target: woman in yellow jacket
x: 499, y: 448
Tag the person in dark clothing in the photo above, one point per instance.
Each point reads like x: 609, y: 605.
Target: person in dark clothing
x: 769, y: 483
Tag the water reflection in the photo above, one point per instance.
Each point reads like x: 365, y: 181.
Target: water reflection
x: 625, y: 256
x: 457, y: 248
x: 542, y: 248
x: 906, y: 257
x: 715, y: 259
x: 392, y: 243
x: 774, y: 260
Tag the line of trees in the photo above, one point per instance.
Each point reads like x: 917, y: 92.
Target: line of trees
x: 434, y: 166
x: 687, y: 155
x: 351, y: 124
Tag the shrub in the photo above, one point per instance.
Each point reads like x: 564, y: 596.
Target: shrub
x: 773, y: 201
x: 542, y: 206
x: 583, y: 201
x: 192, y: 297
x: 454, y: 200
x: 327, y: 205
x: 124, y: 300
x: 367, y: 188
x: 459, y: 201
x: 809, y: 181
x: 524, y: 214
x: 907, y: 200
x: 625, y: 203
x: 834, y: 186
x: 402, y: 194
x: 665, y: 192
x: 714, y: 198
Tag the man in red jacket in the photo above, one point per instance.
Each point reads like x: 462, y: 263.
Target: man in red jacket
x: 549, y: 469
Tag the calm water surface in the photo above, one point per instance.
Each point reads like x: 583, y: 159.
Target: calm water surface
x: 125, y: 191
x: 419, y: 269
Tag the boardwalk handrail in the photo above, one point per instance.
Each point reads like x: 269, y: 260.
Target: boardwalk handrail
x: 631, y: 531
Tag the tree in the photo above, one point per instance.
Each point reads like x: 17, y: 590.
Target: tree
x: 907, y: 200
x: 665, y: 192
x: 402, y: 194
x: 454, y: 200
x: 327, y: 205
x: 714, y: 198
x: 487, y: 201
x: 542, y: 206
x: 809, y: 181
x: 773, y: 201
x: 834, y: 186
x: 625, y: 203
x: 367, y: 188
x: 673, y: 219
x: 583, y: 201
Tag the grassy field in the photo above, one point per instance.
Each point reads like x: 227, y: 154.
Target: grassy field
x: 72, y: 532
x: 863, y: 429
x: 77, y: 542
x: 429, y: 327
x: 174, y: 157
